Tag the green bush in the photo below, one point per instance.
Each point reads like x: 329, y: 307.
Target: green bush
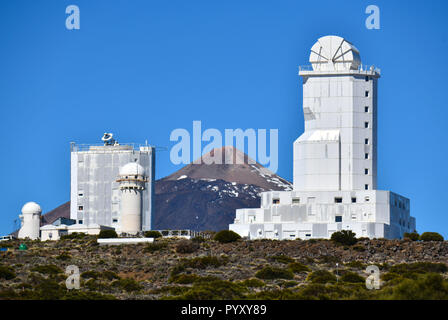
x: 7, y: 273
x: 253, y: 283
x: 127, y: 284
x: 226, y: 236
x: 344, y: 237
x: 155, y: 246
x: 152, y: 234
x: 106, y: 234
x: 431, y: 286
x: 109, y: 275
x: 414, y: 236
x: 187, y: 246
x: 419, y: 267
x: 74, y: 235
x: 355, y: 265
x: 282, y: 259
x: 91, y: 274
x: 198, y: 239
x: 204, y: 262
x: 270, y: 273
x: 64, y: 256
x: 297, y: 267
x: 50, y: 269
x: 352, y: 277
x: 431, y: 236
x: 213, y: 290
x: 321, y: 276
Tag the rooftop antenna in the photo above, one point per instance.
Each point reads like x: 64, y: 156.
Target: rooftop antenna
x: 108, y: 139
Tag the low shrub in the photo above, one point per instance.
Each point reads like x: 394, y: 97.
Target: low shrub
x: 64, y: 256
x: 127, y: 284
x: 253, y: 283
x: 50, y: 269
x: 270, y: 273
x: 431, y: 236
x: 298, y: 267
x: 418, y: 267
x: 352, y: 277
x: 213, y: 290
x: 74, y: 235
x: 344, y: 237
x: 106, y: 234
x: 282, y: 259
x: 152, y: 234
x: 109, y: 275
x: 204, y: 262
x: 414, y: 236
x: 91, y: 274
x: 187, y: 246
x: 198, y: 239
x: 7, y: 273
x: 321, y: 276
x: 355, y: 265
x: 226, y: 236
x: 155, y: 246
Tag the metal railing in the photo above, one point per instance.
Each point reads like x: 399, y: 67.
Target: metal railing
x: 362, y: 68
x: 124, y: 146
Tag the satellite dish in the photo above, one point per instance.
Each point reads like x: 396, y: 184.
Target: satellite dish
x: 333, y: 53
x: 108, y: 139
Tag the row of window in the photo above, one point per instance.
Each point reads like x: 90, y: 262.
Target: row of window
x: 336, y: 199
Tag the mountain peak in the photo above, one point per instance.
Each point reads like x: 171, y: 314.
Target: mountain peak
x: 242, y: 170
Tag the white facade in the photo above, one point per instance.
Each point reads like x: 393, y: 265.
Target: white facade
x: 30, y: 221
x: 95, y: 193
x: 52, y: 232
x: 335, y: 159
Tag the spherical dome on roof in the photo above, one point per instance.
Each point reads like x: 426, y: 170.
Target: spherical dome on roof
x: 132, y: 169
x: 31, y: 208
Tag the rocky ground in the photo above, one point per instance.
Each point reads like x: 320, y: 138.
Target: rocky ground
x: 228, y: 271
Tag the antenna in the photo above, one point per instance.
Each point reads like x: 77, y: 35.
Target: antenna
x: 108, y: 139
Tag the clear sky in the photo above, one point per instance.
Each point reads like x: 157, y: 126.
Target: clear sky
x: 143, y: 68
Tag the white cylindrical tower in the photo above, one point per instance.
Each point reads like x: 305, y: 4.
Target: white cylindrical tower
x: 132, y: 181
x: 30, y: 219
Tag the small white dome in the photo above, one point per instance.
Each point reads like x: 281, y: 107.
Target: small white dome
x: 132, y: 169
x: 31, y: 208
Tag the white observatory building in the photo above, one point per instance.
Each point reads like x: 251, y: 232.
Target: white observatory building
x: 335, y: 159
x: 30, y: 221
x: 96, y: 193
x: 132, y: 181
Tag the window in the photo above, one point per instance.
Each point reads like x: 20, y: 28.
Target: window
x: 80, y: 194
x: 295, y: 200
x: 366, y: 109
x: 80, y: 208
x: 353, y: 216
x: 79, y: 221
x: 366, y: 156
x: 366, y: 187
x: 276, y: 201
x: 366, y: 141
x: 353, y: 199
x: 367, y: 199
x: 337, y: 200
x: 338, y: 219
x: 366, y: 171
x: 367, y: 78
x: 308, y: 235
x: 367, y: 93
x: 114, y: 220
x: 366, y: 124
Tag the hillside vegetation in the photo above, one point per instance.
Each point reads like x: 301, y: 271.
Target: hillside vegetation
x: 208, y: 269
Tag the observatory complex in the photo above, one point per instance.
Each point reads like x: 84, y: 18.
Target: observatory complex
x: 335, y: 159
x: 112, y: 185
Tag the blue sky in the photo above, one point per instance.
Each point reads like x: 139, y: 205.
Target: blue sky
x: 142, y: 68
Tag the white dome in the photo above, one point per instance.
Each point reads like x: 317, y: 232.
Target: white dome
x: 132, y: 169
x: 31, y: 208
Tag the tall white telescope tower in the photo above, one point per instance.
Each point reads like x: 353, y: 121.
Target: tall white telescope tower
x: 335, y: 159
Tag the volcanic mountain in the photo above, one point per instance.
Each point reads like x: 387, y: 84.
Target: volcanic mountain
x: 205, y: 194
